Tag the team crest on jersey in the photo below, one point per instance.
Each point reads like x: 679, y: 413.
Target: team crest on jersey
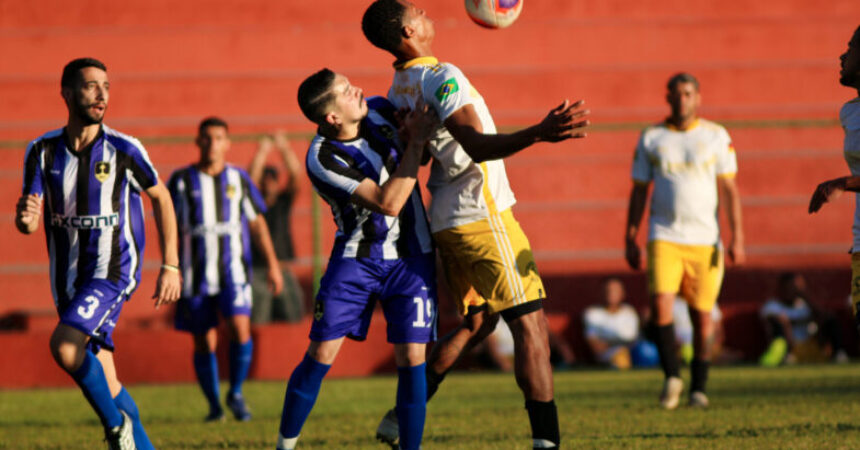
x: 319, y: 310
x: 387, y: 131
x: 449, y: 87
x: 102, y: 171
x: 231, y: 191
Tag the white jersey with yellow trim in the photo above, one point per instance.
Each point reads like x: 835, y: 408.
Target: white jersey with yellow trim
x: 684, y: 166
x: 849, y: 116
x: 463, y: 191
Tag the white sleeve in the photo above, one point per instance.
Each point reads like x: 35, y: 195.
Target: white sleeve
x: 446, y: 89
x: 727, y: 161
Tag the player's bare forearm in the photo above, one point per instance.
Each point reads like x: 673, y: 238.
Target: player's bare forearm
x: 263, y: 241
x: 563, y: 122
x: 291, y: 162
x: 389, y: 198
x: 831, y: 190
x: 635, y: 210
x: 733, y: 211
x: 165, y: 223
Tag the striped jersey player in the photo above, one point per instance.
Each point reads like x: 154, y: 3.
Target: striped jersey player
x: 89, y: 178
x: 219, y: 211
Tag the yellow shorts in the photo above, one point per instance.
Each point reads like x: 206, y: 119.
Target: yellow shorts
x: 855, y: 281
x: 489, y: 262
x: 694, y: 271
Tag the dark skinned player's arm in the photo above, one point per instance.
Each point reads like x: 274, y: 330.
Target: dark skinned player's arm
x: 564, y: 122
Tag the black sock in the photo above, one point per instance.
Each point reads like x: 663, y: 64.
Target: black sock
x: 668, y: 350
x: 543, y: 417
x: 699, y: 374
x: 433, y: 381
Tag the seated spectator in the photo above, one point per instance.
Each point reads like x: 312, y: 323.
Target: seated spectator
x: 289, y: 305
x: 612, y: 328
x: 798, y: 330
x: 684, y: 335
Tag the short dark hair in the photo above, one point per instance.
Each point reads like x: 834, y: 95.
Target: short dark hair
x: 211, y: 121
x: 315, y: 95
x: 382, y: 23
x: 682, y: 77
x: 72, y: 71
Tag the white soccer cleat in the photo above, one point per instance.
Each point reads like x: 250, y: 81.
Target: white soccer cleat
x: 121, y: 437
x: 286, y: 443
x: 388, y: 430
x: 671, y: 395
x: 698, y: 399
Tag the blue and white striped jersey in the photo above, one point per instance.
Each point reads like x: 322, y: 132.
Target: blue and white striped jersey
x: 213, y: 214
x: 336, y: 168
x: 93, y: 213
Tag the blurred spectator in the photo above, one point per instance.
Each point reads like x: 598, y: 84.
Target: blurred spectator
x: 289, y: 305
x: 498, y: 349
x: 684, y: 334
x: 798, y: 330
x: 612, y: 329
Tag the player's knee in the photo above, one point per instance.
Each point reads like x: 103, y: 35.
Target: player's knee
x: 409, y: 355
x: 67, y: 349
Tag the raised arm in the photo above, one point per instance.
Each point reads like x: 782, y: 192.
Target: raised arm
x: 167, y: 287
x: 635, y: 211
x: 263, y: 241
x: 566, y: 121
x: 258, y: 162
x: 732, y: 197
x: 291, y: 162
x: 390, y: 197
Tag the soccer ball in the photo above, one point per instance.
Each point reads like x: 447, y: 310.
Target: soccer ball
x: 494, y: 13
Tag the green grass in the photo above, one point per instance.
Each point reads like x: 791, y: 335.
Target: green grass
x: 788, y: 407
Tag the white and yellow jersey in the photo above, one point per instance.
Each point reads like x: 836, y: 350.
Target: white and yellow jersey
x: 850, y: 118
x: 463, y: 190
x: 684, y: 166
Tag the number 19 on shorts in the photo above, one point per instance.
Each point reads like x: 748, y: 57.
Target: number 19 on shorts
x: 424, y: 312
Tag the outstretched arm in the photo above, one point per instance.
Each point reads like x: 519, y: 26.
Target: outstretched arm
x: 635, y: 211
x: 389, y: 198
x: 831, y: 190
x: 291, y: 162
x: 167, y: 287
x: 566, y: 121
x: 263, y: 241
x: 258, y: 162
x: 732, y: 196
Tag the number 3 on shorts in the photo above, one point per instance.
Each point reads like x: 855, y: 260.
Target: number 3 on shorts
x: 92, y: 304
x: 424, y: 312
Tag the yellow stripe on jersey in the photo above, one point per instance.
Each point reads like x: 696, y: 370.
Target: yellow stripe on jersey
x: 425, y: 60
x: 485, y: 189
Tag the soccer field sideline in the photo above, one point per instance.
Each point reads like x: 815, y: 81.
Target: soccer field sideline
x: 752, y: 407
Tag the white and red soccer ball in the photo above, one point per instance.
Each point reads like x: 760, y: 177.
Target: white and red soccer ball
x: 494, y: 13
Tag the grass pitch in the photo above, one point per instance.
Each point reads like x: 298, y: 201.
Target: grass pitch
x: 751, y: 407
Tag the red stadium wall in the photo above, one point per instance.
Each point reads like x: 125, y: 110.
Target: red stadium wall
x: 768, y: 70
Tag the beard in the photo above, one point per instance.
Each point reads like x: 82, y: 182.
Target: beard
x: 87, y: 116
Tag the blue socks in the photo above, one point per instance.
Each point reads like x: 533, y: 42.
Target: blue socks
x: 206, y: 368
x: 411, y: 407
x: 91, y: 379
x: 240, y: 364
x: 302, y: 391
x: 124, y: 402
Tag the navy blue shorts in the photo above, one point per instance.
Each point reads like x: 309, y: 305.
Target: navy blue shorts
x: 200, y: 313
x: 95, y: 311
x: 406, y: 289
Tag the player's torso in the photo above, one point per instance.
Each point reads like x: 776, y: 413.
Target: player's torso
x: 337, y: 167
x: 684, y: 200
x: 93, y: 217
x: 211, y: 212
x: 849, y: 116
x: 463, y: 191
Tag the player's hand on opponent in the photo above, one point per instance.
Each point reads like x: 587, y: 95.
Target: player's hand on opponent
x: 419, y: 123
x: 633, y: 254
x: 826, y: 192
x: 167, y: 287
x: 275, y: 280
x: 565, y: 121
x: 27, y: 211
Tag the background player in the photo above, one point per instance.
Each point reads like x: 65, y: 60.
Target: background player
x: 218, y: 210
x: 490, y: 265
x: 90, y: 178
x: 689, y: 159
x: 829, y: 190
x: 382, y: 250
